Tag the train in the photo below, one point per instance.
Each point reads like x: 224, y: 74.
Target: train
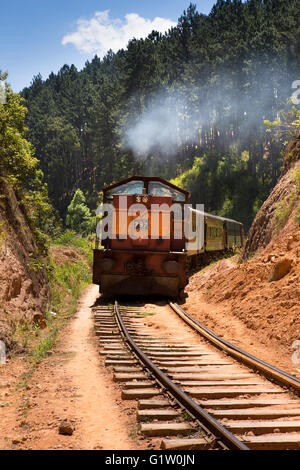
x: 149, y: 235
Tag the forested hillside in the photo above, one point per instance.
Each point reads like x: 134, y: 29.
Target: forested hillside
x: 189, y: 105
x: 41, y: 268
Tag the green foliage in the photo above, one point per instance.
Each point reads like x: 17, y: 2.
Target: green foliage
x: 232, y: 69
x: 296, y: 176
x: 17, y: 161
x: 68, y: 279
x: 79, y: 216
x: 70, y: 239
x: 71, y: 277
x: 285, y: 207
x: 288, y: 122
x: 187, y: 179
x: 45, y: 344
x: 283, y: 211
x: 34, y: 263
x: 223, y: 184
x: 19, y: 166
x: 297, y: 215
x: 40, y: 210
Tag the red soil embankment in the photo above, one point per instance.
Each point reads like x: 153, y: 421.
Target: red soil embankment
x: 256, y: 303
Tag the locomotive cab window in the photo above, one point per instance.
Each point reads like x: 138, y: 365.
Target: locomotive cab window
x: 159, y: 189
x: 132, y: 187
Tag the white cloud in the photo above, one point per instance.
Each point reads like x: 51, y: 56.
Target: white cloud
x: 101, y: 33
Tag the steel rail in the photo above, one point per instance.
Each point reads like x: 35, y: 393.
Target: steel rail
x: 216, y: 428
x: 278, y: 375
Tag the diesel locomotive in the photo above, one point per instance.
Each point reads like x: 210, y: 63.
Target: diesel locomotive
x: 148, y: 235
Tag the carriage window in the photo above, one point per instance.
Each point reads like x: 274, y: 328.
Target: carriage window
x: 160, y: 189
x: 133, y: 187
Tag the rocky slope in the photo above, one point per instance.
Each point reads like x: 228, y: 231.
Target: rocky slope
x: 23, y: 280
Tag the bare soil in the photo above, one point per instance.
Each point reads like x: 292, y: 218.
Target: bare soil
x: 71, y: 383
x: 67, y: 385
x: 23, y: 280
x: 255, y: 303
x: 242, y: 303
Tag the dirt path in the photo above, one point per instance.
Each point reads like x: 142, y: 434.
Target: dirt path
x: 67, y: 385
x: 72, y: 383
x: 99, y: 404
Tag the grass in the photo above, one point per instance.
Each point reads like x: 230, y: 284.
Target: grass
x: 283, y: 211
x: 145, y: 314
x: 186, y: 416
x: 296, y: 178
x: 70, y: 239
x: 297, y: 215
x: 67, y: 279
x: 135, y: 431
x: 45, y: 344
x: 285, y: 207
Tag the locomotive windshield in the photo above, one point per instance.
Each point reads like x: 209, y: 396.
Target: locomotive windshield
x: 133, y: 187
x: 155, y: 188
x: 159, y: 189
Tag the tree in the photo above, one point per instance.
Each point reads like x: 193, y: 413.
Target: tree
x: 79, y: 216
x: 219, y: 76
x: 17, y: 161
x: 19, y: 166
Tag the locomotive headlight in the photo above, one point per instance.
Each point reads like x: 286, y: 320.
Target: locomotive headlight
x: 138, y: 199
x: 171, y: 267
x: 106, y: 264
x: 145, y: 199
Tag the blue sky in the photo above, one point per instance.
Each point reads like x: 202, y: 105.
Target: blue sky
x: 40, y: 36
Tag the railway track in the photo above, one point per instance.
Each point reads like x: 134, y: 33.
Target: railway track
x: 203, y: 395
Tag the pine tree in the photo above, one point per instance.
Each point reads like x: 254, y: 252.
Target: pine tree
x: 79, y: 216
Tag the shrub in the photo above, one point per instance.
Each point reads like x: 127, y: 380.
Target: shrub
x: 79, y: 215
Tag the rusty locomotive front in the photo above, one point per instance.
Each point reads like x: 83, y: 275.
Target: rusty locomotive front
x: 145, y: 238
